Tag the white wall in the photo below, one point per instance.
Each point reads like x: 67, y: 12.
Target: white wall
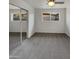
x: 67, y: 28
x: 50, y: 27
x: 31, y: 24
x: 30, y: 9
x: 15, y: 26
x: 13, y: 7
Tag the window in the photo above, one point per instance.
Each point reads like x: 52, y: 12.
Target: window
x: 16, y: 17
x: 24, y: 17
x: 55, y: 17
x: 50, y: 16
x: 46, y: 16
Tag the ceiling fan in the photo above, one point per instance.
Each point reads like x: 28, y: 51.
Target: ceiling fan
x: 52, y: 3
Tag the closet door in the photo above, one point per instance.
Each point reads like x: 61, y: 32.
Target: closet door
x: 18, y: 24
x: 14, y: 27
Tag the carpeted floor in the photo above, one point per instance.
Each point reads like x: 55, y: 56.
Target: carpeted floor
x: 14, y: 40
x: 43, y: 46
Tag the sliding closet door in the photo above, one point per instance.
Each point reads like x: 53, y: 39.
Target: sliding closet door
x: 14, y: 27
x: 18, y: 24
x: 24, y: 23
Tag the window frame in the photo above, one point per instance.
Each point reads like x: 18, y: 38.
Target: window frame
x: 19, y: 17
x: 50, y: 16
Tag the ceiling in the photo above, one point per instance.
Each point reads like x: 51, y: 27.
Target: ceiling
x: 13, y: 7
x: 40, y: 3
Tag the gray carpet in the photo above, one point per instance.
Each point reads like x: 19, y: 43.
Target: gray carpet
x: 14, y: 40
x: 43, y: 46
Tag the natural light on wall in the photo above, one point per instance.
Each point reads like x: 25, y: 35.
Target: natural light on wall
x: 51, y: 3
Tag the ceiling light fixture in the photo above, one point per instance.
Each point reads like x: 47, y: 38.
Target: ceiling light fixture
x: 51, y: 3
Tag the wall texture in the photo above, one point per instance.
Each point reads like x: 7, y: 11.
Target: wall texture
x: 50, y: 27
